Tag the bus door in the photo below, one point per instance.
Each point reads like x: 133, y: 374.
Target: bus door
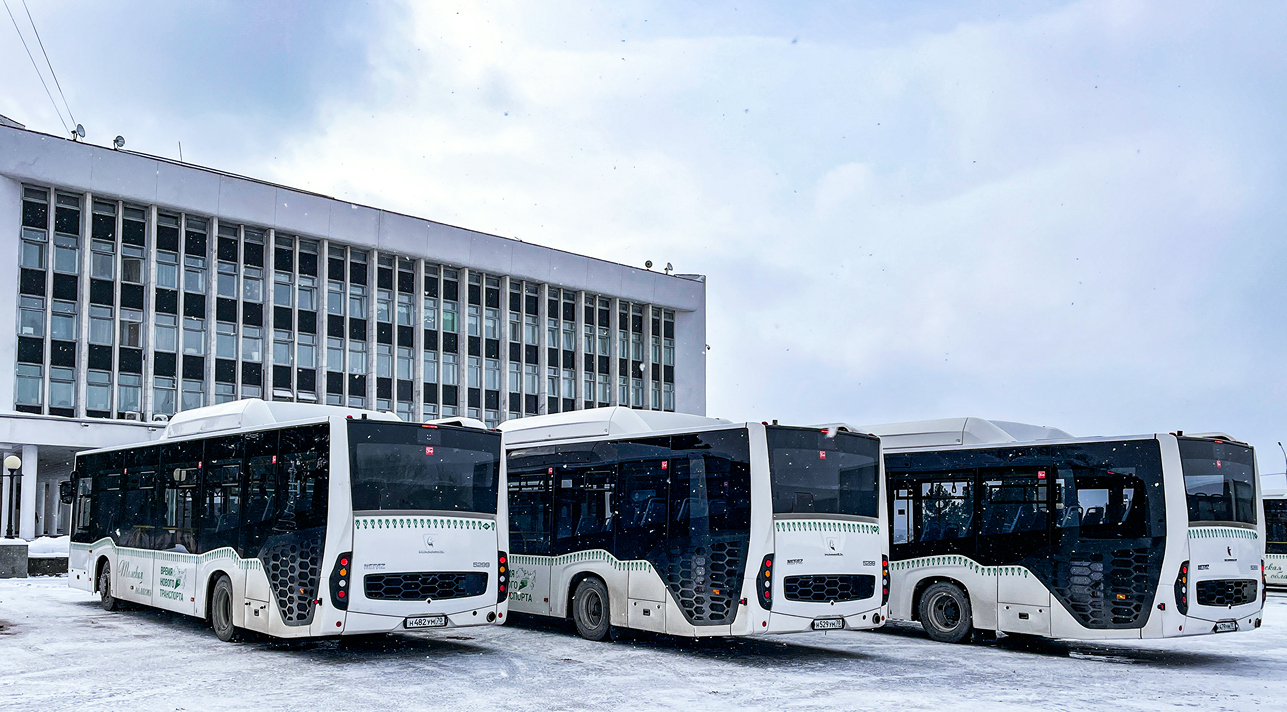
x: 642, y: 513
x: 1014, y: 532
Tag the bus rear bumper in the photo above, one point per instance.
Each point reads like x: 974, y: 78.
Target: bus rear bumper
x: 874, y: 617
x: 1212, y: 622
x: 357, y: 623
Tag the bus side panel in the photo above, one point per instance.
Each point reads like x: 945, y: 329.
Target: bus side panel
x: 78, y: 573
x: 530, y: 585
x: 617, y: 579
x: 752, y: 619
x: 173, y: 580
x: 223, y: 562
x: 980, y: 583
x: 134, y: 573
x: 327, y: 619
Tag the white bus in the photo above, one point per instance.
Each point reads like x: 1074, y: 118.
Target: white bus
x: 1276, y: 536
x: 694, y: 526
x: 297, y: 520
x: 1026, y: 530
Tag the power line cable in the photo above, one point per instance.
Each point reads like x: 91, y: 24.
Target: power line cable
x: 35, y: 66
x: 47, y: 62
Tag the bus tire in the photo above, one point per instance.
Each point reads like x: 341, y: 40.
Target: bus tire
x: 945, y: 613
x: 105, y: 597
x: 590, y: 609
x: 221, y: 608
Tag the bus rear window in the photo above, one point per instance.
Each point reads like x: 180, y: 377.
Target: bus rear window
x: 1219, y: 480
x: 399, y: 466
x: 816, y: 474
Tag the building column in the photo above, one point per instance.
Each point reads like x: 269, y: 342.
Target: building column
x: 27, y: 522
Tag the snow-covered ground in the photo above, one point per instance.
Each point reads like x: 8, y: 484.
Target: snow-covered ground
x: 59, y: 650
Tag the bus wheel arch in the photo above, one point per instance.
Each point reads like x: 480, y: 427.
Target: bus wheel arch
x: 103, y: 584
x: 220, y: 611
x: 211, y: 582
x: 942, y: 605
x: 590, y: 608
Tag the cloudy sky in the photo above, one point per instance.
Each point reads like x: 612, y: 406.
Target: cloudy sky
x: 1066, y: 213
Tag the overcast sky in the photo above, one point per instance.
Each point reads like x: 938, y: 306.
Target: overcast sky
x: 1069, y: 214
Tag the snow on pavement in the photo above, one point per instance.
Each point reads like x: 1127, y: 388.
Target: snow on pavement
x: 59, y: 650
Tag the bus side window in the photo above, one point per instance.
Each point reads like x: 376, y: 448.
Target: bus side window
x: 176, y: 491
x: 81, y: 508
x: 643, y: 486
x: 304, y: 477
x: 901, y: 522
x: 529, y: 508
x: 221, y: 493
x: 141, y: 466
x: 262, y: 500
x: 945, y: 510
x: 1113, y: 505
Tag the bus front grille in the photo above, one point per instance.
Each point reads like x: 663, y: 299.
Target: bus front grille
x: 1226, y: 592
x: 821, y: 589
x: 432, y: 586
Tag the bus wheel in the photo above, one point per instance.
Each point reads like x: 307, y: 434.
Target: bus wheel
x: 221, y: 610
x: 945, y: 613
x: 106, y: 599
x: 590, y: 609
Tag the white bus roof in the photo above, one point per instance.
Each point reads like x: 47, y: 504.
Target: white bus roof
x: 947, y: 432
x: 253, y: 413
x: 597, y: 422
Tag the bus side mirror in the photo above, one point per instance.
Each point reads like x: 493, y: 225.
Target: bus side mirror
x: 66, y: 491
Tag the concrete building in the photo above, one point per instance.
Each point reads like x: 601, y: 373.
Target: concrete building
x: 142, y: 286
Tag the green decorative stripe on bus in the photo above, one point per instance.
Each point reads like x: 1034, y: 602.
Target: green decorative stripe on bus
x: 823, y: 525
x: 177, y: 557
x: 581, y: 556
x: 421, y: 523
x: 1222, y: 533
x: 962, y: 561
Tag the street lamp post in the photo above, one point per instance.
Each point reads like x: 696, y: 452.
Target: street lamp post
x: 12, y: 464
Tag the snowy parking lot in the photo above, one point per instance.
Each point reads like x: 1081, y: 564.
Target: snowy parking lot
x: 59, y: 650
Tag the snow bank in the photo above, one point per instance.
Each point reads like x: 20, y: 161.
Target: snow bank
x: 48, y: 547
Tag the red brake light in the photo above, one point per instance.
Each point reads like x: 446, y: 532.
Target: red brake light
x: 340, y: 594
x: 428, y: 425
x: 344, y: 561
x: 502, y: 560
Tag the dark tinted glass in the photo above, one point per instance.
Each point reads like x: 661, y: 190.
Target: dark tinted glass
x: 1276, y: 526
x: 816, y: 474
x: 1219, y: 479
x: 398, y: 466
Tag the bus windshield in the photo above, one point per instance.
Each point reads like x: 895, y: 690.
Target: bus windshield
x: 814, y: 473
x: 401, y: 466
x: 1219, y: 479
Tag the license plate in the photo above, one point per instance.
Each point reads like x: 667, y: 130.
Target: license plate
x: 829, y: 624
x: 425, y: 622
x: 1226, y: 626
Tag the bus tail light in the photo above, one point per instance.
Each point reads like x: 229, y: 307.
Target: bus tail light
x: 884, y: 577
x: 502, y: 577
x: 1182, y: 590
x: 764, y: 584
x: 340, y: 576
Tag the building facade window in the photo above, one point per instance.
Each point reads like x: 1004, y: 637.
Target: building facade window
x: 62, y: 388
x: 225, y: 340
x: 29, y: 388
x: 31, y: 316
x: 431, y: 367
x: 164, y: 395
x: 166, y: 335
x: 194, y: 337
x: 450, y: 370
x: 252, y: 343
x: 129, y: 393
x: 132, y: 328
x: 194, y: 395
x: 100, y: 325
x: 98, y: 390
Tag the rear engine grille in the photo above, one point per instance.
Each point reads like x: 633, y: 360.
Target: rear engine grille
x: 821, y: 589
x: 1226, y: 592
x: 434, y: 586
